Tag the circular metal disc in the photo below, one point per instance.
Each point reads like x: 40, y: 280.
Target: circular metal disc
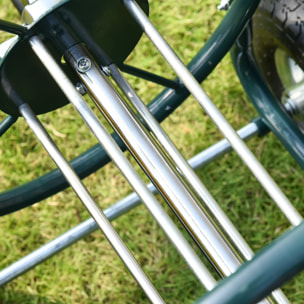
x: 106, y: 22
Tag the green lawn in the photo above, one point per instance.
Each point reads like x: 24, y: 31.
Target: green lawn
x: 89, y: 271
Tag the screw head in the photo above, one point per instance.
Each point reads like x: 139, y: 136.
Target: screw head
x: 106, y: 70
x: 81, y: 88
x: 84, y: 64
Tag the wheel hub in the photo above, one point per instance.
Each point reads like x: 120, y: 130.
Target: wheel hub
x: 292, y: 77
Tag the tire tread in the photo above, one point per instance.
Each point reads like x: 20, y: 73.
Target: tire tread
x: 278, y: 24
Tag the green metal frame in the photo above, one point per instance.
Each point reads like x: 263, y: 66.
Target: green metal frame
x: 269, y: 108
x: 253, y: 281
x: 161, y: 107
x: 7, y: 123
x: 257, y: 278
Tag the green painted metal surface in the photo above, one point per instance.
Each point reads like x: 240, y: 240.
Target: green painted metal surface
x: 161, y: 107
x: 268, y: 270
x: 266, y: 104
x: 6, y: 124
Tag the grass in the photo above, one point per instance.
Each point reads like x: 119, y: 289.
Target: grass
x: 89, y: 271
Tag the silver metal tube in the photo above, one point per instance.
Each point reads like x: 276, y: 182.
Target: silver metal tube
x: 183, y: 165
x: 68, y: 238
x: 91, y: 206
x: 155, y: 165
x: 222, y: 147
x: 123, y: 164
x: 188, y: 172
x: 118, y: 209
x: 46, y: 251
x: 194, y: 87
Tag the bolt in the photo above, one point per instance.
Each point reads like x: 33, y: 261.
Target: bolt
x: 81, y: 88
x: 84, y: 64
x: 106, y: 70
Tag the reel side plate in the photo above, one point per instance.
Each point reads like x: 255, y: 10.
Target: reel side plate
x: 106, y: 23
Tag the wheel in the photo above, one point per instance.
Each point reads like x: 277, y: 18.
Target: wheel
x: 278, y: 45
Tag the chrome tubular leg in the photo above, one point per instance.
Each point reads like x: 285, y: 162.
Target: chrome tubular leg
x: 222, y: 147
x: 194, y: 87
x: 183, y: 165
x: 123, y: 164
x: 118, y: 209
x: 170, y: 173
x: 91, y: 206
x: 188, y: 172
x: 154, y: 163
x: 124, y: 122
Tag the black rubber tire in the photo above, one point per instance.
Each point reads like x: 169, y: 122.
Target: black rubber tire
x: 278, y: 24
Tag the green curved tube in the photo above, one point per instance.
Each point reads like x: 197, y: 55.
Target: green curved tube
x: 267, y: 271
x: 162, y: 106
x: 268, y: 107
